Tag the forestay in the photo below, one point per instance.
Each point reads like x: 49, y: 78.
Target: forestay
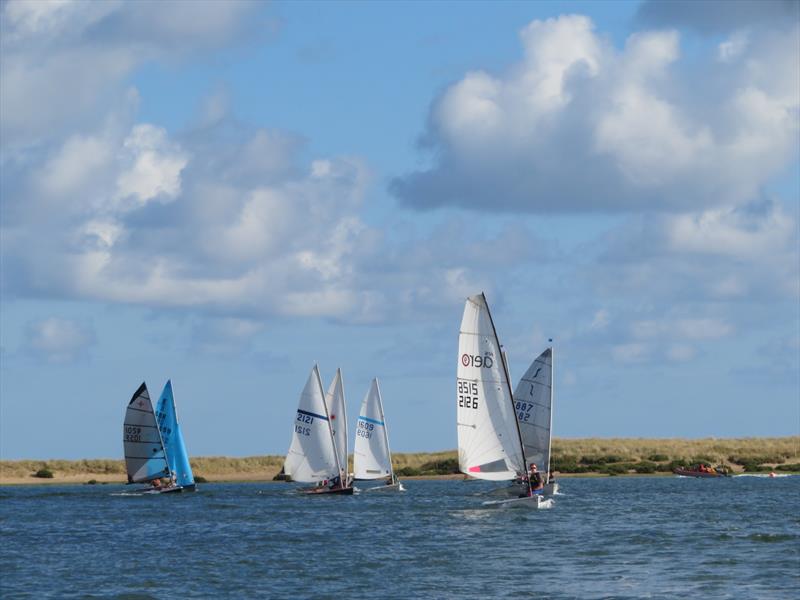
x: 338, y: 416
x: 489, y: 444
x: 171, y: 434
x: 145, y: 458
x: 371, y: 456
x: 311, y: 456
x: 533, y: 400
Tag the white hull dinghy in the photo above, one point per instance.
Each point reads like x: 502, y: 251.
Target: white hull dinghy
x: 372, y: 459
x: 313, y: 455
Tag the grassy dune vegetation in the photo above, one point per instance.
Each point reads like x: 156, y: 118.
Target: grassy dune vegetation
x: 578, y: 456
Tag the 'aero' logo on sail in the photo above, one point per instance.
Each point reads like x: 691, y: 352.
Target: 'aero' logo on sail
x: 470, y: 360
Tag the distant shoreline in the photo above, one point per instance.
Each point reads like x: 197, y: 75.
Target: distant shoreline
x: 570, y: 457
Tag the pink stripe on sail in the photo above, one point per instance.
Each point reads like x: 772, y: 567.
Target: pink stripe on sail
x: 475, y: 469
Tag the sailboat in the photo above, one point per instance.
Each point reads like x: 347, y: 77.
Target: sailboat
x: 145, y: 457
x: 313, y: 456
x: 337, y: 410
x: 533, y: 403
x: 172, y: 436
x: 490, y: 442
x: 372, y: 458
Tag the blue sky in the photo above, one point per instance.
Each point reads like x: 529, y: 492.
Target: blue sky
x: 225, y: 193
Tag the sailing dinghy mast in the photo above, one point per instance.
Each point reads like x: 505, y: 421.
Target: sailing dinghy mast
x: 385, y: 433
x: 330, y: 427
x: 510, y: 395
x: 552, y: 384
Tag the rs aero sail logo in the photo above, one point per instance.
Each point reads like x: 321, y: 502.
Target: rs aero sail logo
x: 473, y: 360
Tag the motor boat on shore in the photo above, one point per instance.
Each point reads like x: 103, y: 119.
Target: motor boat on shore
x: 701, y: 470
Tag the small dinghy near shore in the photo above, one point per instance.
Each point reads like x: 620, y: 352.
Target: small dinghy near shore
x: 490, y: 441
x: 314, y: 455
x: 397, y: 486
x: 154, y: 449
x: 372, y: 459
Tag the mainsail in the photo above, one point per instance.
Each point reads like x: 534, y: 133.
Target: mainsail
x: 311, y: 457
x: 145, y: 458
x: 337, y: 411
x: 371, y: 456
x: 171, y: 434
x: 533, y: 400
x: 489, y: 444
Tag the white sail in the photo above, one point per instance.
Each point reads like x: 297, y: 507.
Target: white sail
x: 311, y: 457
x: 371, y: 456
x: 533, y: 401
x: 489, y: 445
x: 145, y: 458
x: 337, y: 410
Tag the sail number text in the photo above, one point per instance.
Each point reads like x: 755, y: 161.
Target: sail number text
x: 161, y: 416
x: 301, y: 421
x: 476, y: 360
x: 133, y: 434
x: 365, y: 429
x: 467, y: 393
x: 523, y: 411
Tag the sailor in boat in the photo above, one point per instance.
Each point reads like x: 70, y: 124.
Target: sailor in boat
x: 537, y: 483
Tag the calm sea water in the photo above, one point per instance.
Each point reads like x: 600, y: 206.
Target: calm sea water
x: 619, y: 537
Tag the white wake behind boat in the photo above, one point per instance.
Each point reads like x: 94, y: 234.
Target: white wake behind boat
x: 490, y: 443
x: 372, y: 458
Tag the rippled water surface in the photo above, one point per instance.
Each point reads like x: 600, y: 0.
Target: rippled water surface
x: 620, y: 537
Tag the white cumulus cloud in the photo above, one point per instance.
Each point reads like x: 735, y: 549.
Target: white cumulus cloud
x: 579, y: 125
